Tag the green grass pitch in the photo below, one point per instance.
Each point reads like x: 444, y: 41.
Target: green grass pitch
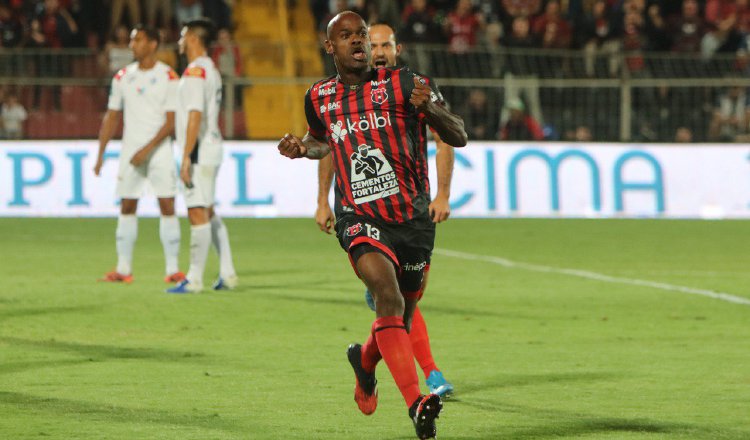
x: 534, y: 353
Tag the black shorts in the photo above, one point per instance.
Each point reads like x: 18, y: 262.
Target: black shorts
x: 408, y: 245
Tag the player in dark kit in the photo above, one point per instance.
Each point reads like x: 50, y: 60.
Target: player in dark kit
x: 382, y: 218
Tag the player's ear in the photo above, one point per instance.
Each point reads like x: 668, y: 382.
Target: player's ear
x: 329, y: 47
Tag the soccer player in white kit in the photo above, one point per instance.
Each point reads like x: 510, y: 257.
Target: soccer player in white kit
x: 197, y: 131
x: 146, y: 91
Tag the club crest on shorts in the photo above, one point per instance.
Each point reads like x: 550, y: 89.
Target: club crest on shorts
x: 379, y: 95
x: 353, y: 230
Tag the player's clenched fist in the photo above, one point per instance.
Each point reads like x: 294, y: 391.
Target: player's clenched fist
x: 421, y: 95
x: 292, y: 147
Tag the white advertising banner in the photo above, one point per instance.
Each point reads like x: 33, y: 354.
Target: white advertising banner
x: 491, y: 179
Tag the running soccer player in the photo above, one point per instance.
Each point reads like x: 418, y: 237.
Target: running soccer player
x: 385, y: 53
x: 147, y: 91
x: 198, y: 104
x: 383, y: 221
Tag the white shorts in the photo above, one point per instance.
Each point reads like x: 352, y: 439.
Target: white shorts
x: 203, y: 191
x: 160, y: 174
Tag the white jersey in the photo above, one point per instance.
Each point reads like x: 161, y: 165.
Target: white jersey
x: 146, y: 96
x: 200, y: 90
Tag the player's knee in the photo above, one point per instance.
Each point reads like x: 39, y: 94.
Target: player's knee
x: 388, y: 302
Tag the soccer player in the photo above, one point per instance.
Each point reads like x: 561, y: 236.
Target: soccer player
x: 198, y: 104
x: 382, y: 220
x: 385, y: 53
x: 147, y: 90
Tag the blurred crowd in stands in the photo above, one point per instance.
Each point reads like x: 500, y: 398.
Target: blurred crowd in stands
x: 520, y: 41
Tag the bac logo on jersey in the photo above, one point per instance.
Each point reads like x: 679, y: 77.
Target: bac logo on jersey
x: 331, y: 106
x: 379, y: 96
x: 353, y: 230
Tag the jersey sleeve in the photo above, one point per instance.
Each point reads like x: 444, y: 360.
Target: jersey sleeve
x: 170, y: 104
x: 194, y: 83
x: 407, y: 86
x: 115, y: 92
x: 315, y: 126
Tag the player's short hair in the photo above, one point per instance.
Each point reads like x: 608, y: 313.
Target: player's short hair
x: 382, y: 23
x: 152, y: 34
x: 204, y: 28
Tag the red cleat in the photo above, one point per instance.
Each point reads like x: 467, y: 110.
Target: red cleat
x: 115, y: 277
x: 175, y: 277
x: 366, y: 388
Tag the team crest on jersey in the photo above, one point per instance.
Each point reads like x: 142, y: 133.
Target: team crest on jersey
x: 338, y: 131
x: 172, y: 75
x: 353, y: 230
x: 372, y: 176
x: 195, y: 71
x: 379, y: 95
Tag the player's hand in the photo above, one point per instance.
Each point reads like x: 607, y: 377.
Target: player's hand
x: 292, y: 147
x: 185, y: 176
x: 139, y: 157
x: 440, y: 209
x: 98, y: 166
x: 324, y: 217
x: 421, y: 95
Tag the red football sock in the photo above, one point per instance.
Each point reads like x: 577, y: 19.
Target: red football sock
x: 395, y: 347
x: 420, y: 343
x: 370, y: 352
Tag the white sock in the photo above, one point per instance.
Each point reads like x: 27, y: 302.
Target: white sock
x: 220, y: 240
x: 200, y: 242
x: 127, y: 232
x: 169, y: 232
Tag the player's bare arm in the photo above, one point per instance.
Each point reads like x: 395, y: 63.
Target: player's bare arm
x: 293, y: 147
x: 193, y: 127
x: 144, y: 153
x: 449, y: 126
x: 106, y: 132
x: 323, y: 214
x: 440, y: 208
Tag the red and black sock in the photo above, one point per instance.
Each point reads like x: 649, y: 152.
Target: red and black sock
x: 395, y: 347
x: 420, y: 343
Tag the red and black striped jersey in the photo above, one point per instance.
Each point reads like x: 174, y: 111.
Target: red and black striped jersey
x: 378, y: 143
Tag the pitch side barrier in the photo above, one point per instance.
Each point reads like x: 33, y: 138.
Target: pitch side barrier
x: 491, y: 179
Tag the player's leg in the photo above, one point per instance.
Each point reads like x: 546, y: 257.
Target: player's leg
x: 125, y: 237
x: 220, y: 239
x: 169, y: 233
x: 163, y: 179
x: 130, y: 185
x: 198, y: 199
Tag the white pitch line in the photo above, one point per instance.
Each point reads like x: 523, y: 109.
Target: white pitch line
x: 595, y: 276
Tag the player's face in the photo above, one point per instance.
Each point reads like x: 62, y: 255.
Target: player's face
x: 385, y: 51
x: 349, y: 43
x: 141, y: 45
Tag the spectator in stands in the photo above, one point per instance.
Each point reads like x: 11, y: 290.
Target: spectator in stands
x: 161, y: 9
x: 134, y: 11
x: 384, y: 11
x: 226, y: 56
x: 597, y: 33
x: 418, y: 24
x: 480, y: 116
x: 53, y: 28
x: 13, y: 117
x: 187, y: 10
x: 166, y: 52
x: 11, y: 28
x: 731, y: 116
x: 520, y: 126
x: 520, y: 37
x: 687, y: 28
x: 683, y: 135
x: 722, y: 17
x: 551, y: 29
x: 461, y: 27
x: 117, y: 53
x: 520, y: 8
